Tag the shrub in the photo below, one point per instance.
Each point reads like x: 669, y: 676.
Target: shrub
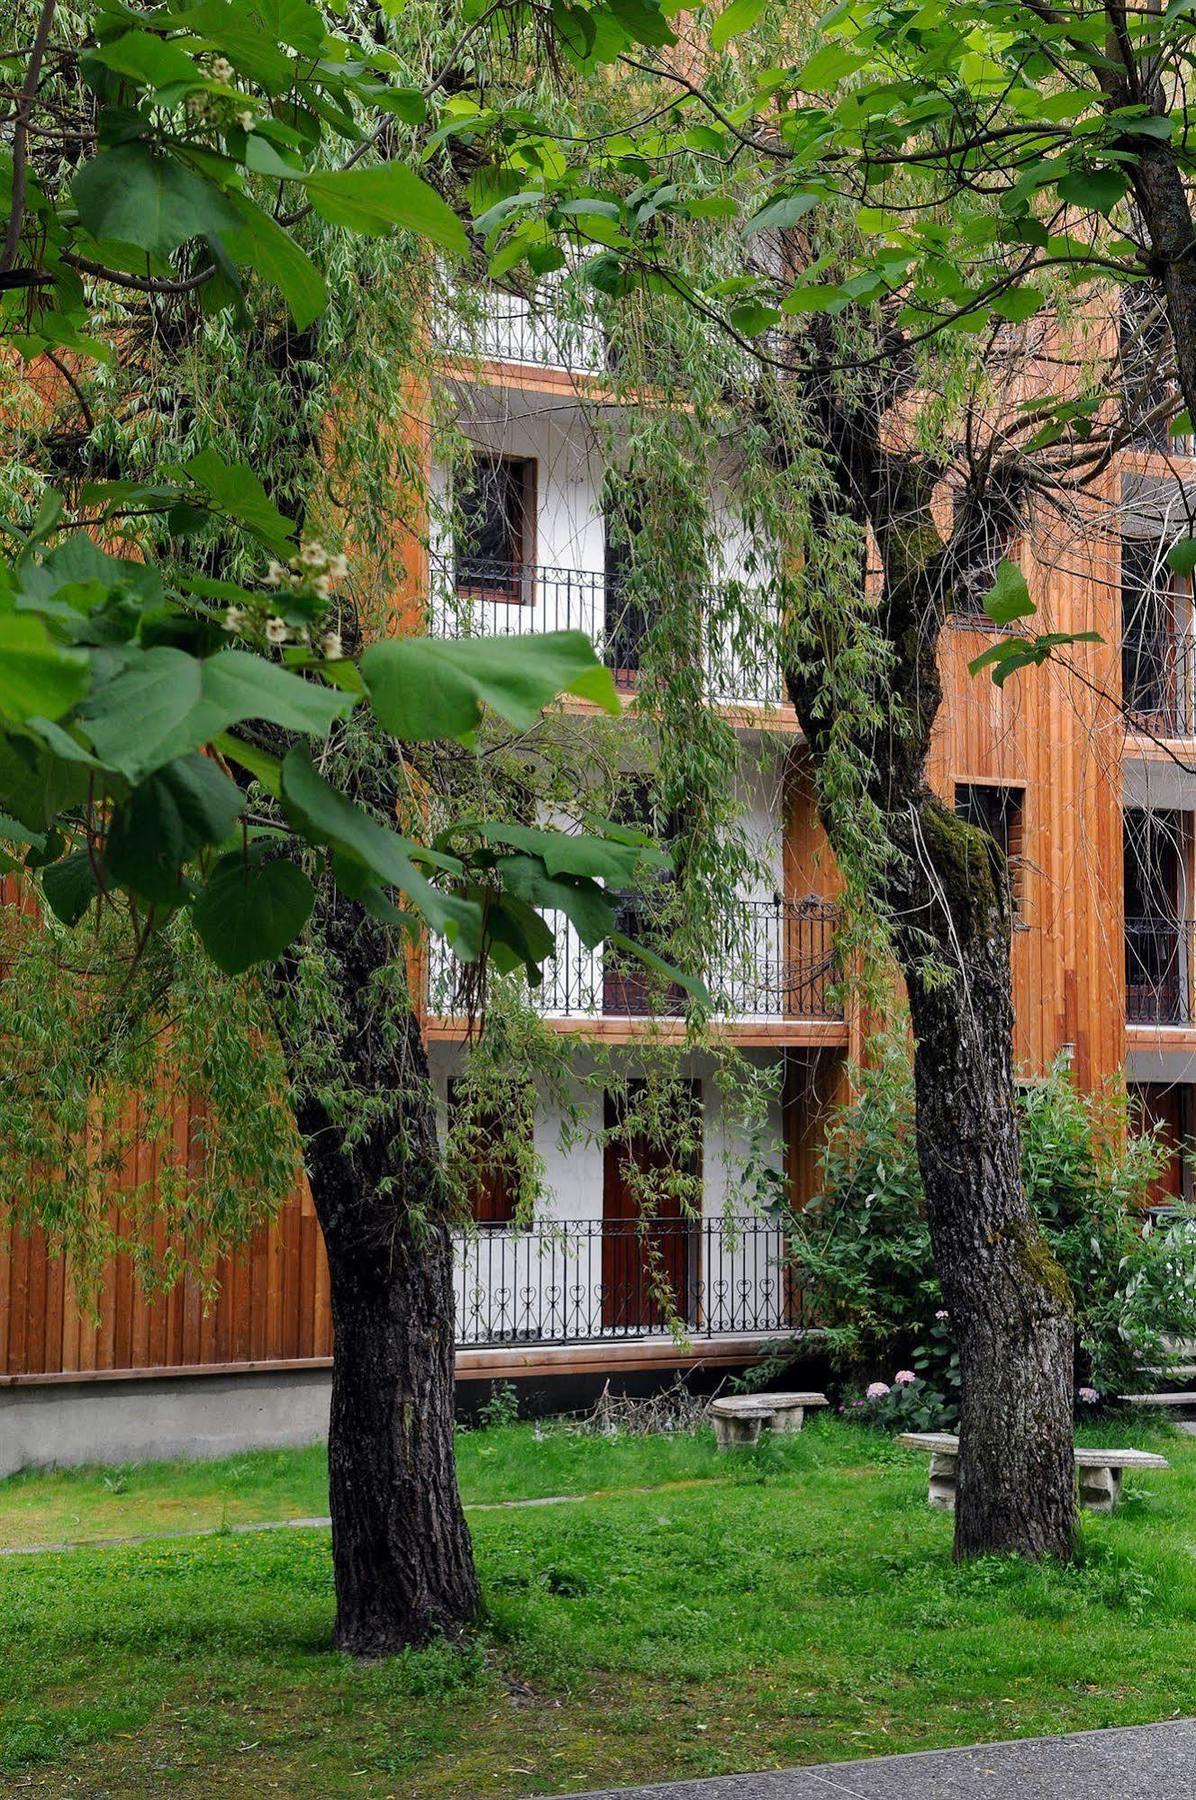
x: 861, y: 1247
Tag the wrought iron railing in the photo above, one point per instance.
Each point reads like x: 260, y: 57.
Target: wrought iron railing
x: 472, y: 596
x: 582, y: 1280
x: 1157, y: 682
x: 556, y: 327
x: 1158, y: 971
x: 775, y: 960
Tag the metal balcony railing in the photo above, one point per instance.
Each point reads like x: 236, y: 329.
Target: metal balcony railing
x: 555, y: 327
x: 472, y: 596
x: 1157, y: 682
x: 1158, y: 971
x: 776, y: 962
x: 589, y: 1279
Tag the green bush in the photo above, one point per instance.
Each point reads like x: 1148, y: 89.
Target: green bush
x: 862, y: 1248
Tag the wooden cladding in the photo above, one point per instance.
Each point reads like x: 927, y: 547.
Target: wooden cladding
x: 271, y: 1306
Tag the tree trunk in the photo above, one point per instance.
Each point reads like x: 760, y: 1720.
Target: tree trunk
x: 945, y: 893
x: 1008, y: 1298
x: 402, y: 1560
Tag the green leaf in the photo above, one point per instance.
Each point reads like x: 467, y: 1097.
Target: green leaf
x: 563, y: 853
x: 38, y: 677
x: 249, y: 911
x: 167, y: 819
x: 781, y: 213
x: 373, y: 201
x: 263, y: 245
x: 153, y: 61
x: 739, y: 16
x: 1095, y: 190
x: 643, y: 21
x: 1182, y: 556
x: 235, y: 491
x: 750, y: 317
x: 326, y: 817
x: 70, y: 886
x: 132, y: 716
x: 426, y: 688
x: 261, y: 765
x: 148, y: 198
x: 1009, y: 597
x: 828, y: 66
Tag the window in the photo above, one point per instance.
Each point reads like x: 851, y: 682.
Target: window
x: 496, y: 510
x: 482, y: 1154
x: 1146, y: 369
x: 627, y: 620
x: 1154, y: 679
x: 982, y: 536
x: 999, y: 812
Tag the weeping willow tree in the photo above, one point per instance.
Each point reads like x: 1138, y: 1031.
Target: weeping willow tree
x: 852, y: 425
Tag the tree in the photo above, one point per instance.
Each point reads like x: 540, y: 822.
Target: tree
x: 151, y: 773
x: 840, y: 401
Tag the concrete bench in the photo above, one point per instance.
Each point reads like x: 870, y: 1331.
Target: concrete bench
x: 1099, y: 1472
x: 740, y: 1418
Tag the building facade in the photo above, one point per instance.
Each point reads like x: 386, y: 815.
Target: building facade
x: 1082, y: 770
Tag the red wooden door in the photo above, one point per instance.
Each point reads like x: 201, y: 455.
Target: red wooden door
x: 1164, y: 1106
x: 647, y: 1256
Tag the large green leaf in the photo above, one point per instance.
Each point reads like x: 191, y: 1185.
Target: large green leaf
x: 147, y: 197
x: 1009, y: 597
x: 263, y: 244
x: 70, y: 886
x: 167, y: 819
x: 236, y: 492
x: 563, y: 853
x: 426, y: 688
x: 249, y: 911
x: 131, y: 718
x: 39, y: 678
x: 153, y: 61
x: 328, y: 817
x: 373, y: 201
x: 738, y: 17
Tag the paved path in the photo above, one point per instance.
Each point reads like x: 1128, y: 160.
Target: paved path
x: 1142, y: 1762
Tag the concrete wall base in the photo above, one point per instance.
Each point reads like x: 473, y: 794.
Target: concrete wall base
x: 65, y: 1423
x: 123, y: 1416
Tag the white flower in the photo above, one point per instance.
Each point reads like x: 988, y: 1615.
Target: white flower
x: 222, y: 70
x: 275, y: 573
x: 330, y: 646
x: 942, y: 1313
x: 322, y: 585
x: 1088, y: 1395
x: 246, y: 120
x: 234, y: 618
x: 338, y: 567
x: 314, y: 555
x: 877, y: 1390
x: 277, y: 630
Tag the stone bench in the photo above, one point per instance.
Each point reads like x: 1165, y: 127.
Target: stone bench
x: 740, y: 1418
x: 1099, y: 1472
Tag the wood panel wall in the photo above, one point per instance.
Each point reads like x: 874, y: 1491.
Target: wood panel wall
x: 271, y: 1306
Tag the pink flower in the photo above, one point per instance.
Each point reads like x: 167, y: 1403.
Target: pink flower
x: 942, y: 1313
x: 903, y: 1377
x: 1088, y: 1395
x: 877, y: 1390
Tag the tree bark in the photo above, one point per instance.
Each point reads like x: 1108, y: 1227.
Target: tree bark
x: 402, y: 1559
x: 945, y: 893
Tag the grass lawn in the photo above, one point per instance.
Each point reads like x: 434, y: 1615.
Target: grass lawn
x: 789, y: 1605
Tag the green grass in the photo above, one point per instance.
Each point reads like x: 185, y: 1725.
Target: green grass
x: 792, y: 1605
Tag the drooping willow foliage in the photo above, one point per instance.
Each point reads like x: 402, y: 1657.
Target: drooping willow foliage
x: 702, y: 444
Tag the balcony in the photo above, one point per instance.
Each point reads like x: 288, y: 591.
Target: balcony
x: 1156, y: 683
x: 777, y: 964
x: 586, y: 1280
x: 1158, y: 972
x: 498, y: 599
x: 554, y: 328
